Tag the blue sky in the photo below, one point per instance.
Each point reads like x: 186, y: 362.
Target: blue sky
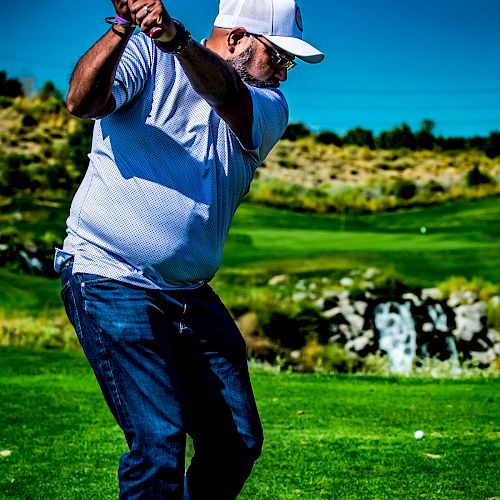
x: 387, y: 61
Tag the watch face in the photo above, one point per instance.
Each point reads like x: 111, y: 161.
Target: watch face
x: 298, y: 18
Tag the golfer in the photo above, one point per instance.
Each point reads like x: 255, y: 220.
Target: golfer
x: 180, y: 128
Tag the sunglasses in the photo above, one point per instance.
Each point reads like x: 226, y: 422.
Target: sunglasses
x: 279, y: 60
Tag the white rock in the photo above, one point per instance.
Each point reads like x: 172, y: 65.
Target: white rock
x: 328, y: 294
x: 297, y: 297
x: 454, y: 300
x: 411, y: 296
x: 370, y: 273
x: 427, y: 327
x: 369, y: 334
x: 432, y: 293
x: 320, y: 303
x: 466, y: 327
x: 360, y: 307
x: 346, y: 308
x: 331, y: 312
x: 347, y: 282
x: 300, y: 285
x: 356, y: 323
x: 486, y: 357
x: 493, y: 335
x: 334, y: 339
x: 357, y: 344
x: 469, y: 296
x: 277, y: 280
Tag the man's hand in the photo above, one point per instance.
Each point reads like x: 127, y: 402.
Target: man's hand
x: 153, y: 19
x: 122, y: 9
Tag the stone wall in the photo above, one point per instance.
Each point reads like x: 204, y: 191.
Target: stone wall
x: 407, y: 327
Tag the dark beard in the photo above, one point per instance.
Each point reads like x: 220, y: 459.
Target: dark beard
x: 238, y: 64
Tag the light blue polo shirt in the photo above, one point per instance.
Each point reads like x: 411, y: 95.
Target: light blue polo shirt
x: 165, y: 176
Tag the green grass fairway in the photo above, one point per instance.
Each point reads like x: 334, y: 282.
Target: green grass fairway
x: 326, y: 436
x: 461, y: 239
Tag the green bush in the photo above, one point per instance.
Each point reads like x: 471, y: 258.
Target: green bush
x: 29, y: 121
x: 476, y: 177
x: 295, y: 131
x: 404, y: 189
x: 328, y: 138
x: 6, y: 102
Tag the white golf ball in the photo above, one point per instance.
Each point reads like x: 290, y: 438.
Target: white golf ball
x: 419, y: 434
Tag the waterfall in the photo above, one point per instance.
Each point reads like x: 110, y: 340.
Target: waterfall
x: 439, y: 321
x: 438, y: 317
x: 397, y: 334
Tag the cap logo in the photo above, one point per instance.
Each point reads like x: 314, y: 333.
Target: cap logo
x: 298, y: 18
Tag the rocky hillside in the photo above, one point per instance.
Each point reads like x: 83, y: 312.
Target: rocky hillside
x: 310, y: 164
x: 44, y: 154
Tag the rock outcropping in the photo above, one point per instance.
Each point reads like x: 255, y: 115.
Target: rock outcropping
x: 408, y: 328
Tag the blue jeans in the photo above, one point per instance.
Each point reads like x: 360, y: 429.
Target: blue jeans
x: 169, y: 364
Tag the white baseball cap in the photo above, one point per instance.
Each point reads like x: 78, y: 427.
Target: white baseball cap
x: 279, y: 21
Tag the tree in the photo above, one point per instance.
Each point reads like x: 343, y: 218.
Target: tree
x: 295, y: 131
x: 10, y: 87
x: 452, y: 143
x: 424, y: 137
x: 427, y: 126
x: 49, y: 91
x: 492, y: 146
x: 328, y: 137
x: 397, y: 138
x: 475, y: 177
x: 80, y: 143
x: 359, y: 137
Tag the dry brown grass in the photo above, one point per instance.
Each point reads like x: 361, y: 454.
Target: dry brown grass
x: 311, y: 165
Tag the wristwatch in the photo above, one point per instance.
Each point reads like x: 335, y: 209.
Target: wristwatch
x: 180, y: 41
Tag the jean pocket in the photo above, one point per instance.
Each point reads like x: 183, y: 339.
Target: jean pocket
x: 118, y: 312
x: 71, y: 309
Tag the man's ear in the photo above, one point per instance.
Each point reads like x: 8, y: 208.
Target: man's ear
x: 234, y: 37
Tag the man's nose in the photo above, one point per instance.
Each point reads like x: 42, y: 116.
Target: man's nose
x: 281, y: 74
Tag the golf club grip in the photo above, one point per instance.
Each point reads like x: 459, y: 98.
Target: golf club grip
x: 155, y: 32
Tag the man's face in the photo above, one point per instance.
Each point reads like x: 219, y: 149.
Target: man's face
x: 256, y: 64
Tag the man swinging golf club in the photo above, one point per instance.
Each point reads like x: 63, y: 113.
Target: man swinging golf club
x: 180, y: 128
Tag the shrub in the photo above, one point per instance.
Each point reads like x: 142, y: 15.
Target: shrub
x: 49, y: 91
x: 359, y: 137
x: 480, y: 287
x: 6, y: 102
x: 492, y: 146
x: 328, y: 138
x: 397, y: 138
x: 37, y: 332
x: 29, y: 121
x: 475, y: 177
x: 295, y: 131
x: 329, y: 358
x: 432, y: 187
x: 404, y: 189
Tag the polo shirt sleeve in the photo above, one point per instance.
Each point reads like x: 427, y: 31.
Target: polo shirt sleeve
x: 133, y: 70
x: 270, y: 118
